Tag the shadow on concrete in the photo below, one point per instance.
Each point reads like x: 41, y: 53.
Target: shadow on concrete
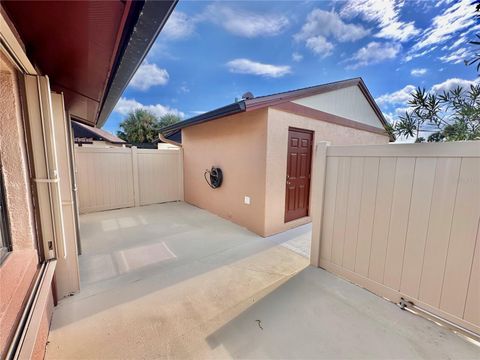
x: 131, y: 253
x: 318, y: 315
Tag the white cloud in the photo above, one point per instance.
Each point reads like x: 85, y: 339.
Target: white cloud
x: 184, y: 89
x: 386, y: 13
x: 374, y: 53
x: 179, y: 25
x: 320, y: 46
x: 297, y: 57
x: 236, y: 21
x: 389, y: 117
x: 149, y: 75
x: 470, y: 30
x: 418, y: 72
x: 457, y: 56
x: 246, y: 66
x: 329, y: 24
x: 125, y: 106
x: 244, y: 23
x: 197, y: 112
x: 459, y: 16
x: 398, y: 100
x: 442, y: 2
x: 452, y: 83
x: 413, y: 55
x: 321, y: 25
x: 457, y: 43
x: 400, y: 111
x: 397, y: 97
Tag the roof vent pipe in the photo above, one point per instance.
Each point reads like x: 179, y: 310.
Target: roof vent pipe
x: 247, y: 96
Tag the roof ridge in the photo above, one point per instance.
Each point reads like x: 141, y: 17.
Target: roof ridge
x: 105, y: 134
x: 308, y: 87
x: 275, y: 99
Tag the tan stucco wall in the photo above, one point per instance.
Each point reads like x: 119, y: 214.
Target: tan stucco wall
x: 19, y: 268
x: 237, y: 145
x: 251, y: 149
x: 278, y: 124
x: 14, y: 160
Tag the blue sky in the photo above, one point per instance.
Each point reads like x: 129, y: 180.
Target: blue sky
x: 210, y: 53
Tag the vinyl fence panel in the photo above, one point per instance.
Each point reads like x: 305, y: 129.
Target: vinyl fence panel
x: 114, y: 178
x: 160, y: 176
x: 403, y: 221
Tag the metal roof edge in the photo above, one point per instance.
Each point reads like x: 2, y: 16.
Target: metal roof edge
x: 278, y: 98
x: 230, y: 109
x: 150, y: 21
x: 363, y: 87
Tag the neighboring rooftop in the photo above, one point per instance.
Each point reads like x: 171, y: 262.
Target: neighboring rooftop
x: 259, y: 102
x: 82, y: 131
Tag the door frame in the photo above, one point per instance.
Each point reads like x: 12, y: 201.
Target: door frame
x: 306, y: 131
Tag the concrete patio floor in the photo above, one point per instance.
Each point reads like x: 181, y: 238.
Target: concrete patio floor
x: 174, y: 281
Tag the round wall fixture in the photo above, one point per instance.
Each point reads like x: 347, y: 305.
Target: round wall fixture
x: 216, y: 177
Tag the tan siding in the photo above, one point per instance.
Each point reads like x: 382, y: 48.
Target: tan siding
x: 367, y: 211
x: 418, y: 223
x: 159, y: 176
x: 353, y: 213
x: 330, y: 202
x: 418, y: 230
x: 398, y: 222
x: 348, y: 102
x: 472, y: 305
x: 383, y: 206
x: 340, y: 210
x: 462, y: 238
x: 441, y: 214
x: 114, y: 178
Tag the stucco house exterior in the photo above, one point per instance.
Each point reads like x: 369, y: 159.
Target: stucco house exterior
x: 59, y: 61
x: 264, y: 145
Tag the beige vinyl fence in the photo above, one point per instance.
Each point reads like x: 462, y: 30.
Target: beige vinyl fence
x: 114, y: 178
x: 403, y: 221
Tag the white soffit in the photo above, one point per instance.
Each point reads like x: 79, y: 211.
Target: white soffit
x: 348, y: 102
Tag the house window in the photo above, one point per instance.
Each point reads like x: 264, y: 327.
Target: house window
x: 5, y: 245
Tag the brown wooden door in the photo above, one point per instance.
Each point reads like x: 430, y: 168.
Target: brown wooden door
x: 298, y: 173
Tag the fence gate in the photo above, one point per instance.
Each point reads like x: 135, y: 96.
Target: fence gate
x: 114, y: 178
x: 403, y: 221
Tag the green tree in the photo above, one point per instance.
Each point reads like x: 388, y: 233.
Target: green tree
x: 453, y: 115
x: 168, y: 119
x: 476, y: 56
x: 140, y: 126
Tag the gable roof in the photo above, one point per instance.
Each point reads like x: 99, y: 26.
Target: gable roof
x: 84, y: 131
x: 275, y: 99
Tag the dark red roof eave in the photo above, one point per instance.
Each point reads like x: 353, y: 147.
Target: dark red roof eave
x: 88, y: 49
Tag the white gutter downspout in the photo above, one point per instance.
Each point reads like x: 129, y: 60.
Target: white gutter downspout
x: 52, y: 163
x: 40, y: 118
x: 168, y: 141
